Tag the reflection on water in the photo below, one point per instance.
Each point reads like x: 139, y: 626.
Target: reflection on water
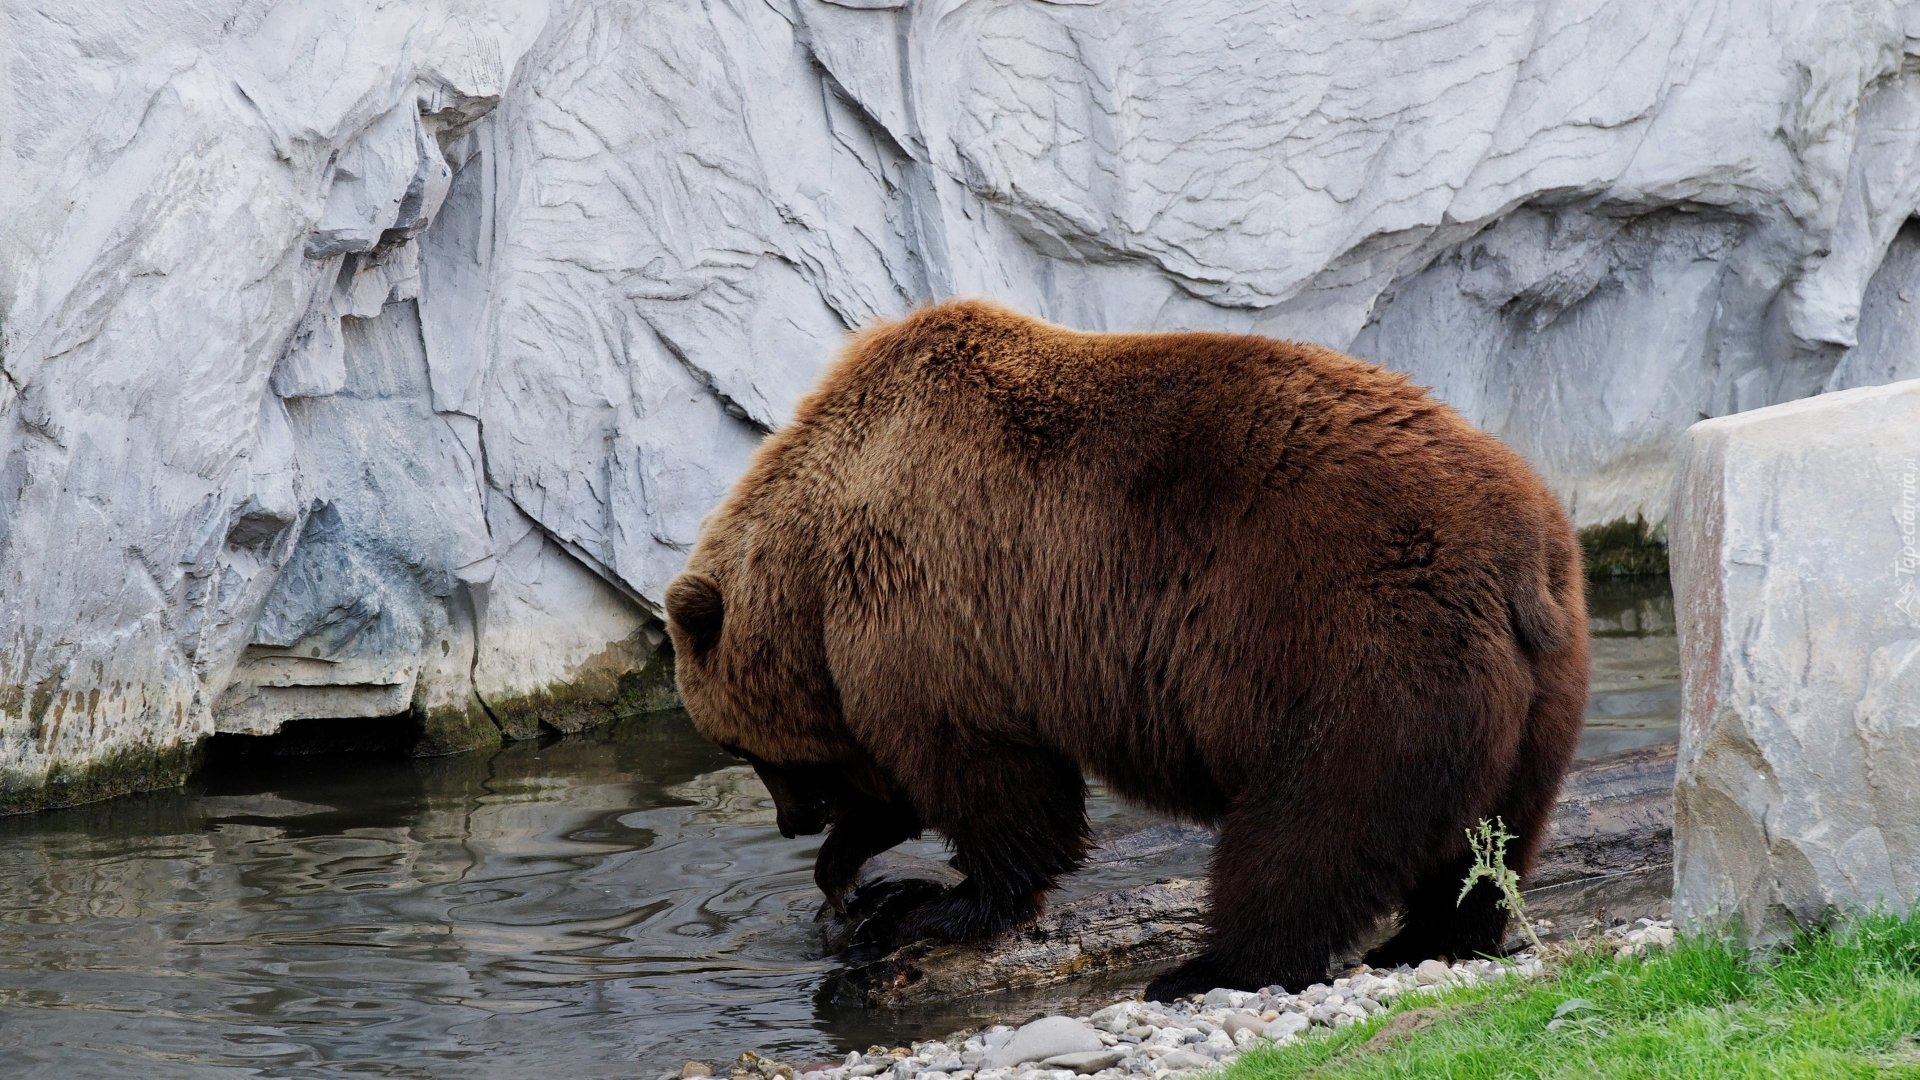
x: 1634, y: 699
x: 602, y: 905
x: 590, y: 907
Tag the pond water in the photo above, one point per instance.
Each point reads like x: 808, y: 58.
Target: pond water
x: 603, y: 905
x: 1634, y: 693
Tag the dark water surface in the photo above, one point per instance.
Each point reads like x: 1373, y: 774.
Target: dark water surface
x: 607, y: 904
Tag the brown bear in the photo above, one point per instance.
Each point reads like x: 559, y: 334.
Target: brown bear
x: 1245, y: 582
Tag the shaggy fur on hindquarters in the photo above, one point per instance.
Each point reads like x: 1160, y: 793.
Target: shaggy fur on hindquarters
x: 1242, y: 581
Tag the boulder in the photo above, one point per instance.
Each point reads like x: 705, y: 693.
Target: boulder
x: 1794, y: 573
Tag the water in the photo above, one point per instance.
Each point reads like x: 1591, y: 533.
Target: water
x: 1634, y: 693
x: 608, y: 904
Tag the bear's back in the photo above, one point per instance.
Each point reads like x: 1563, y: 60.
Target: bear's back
x: 1188, y: 423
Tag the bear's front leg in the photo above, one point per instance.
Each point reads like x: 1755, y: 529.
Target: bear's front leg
x: 862, y: 828
x: 1016, y: 818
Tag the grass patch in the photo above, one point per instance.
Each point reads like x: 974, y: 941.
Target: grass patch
x: 1832, y: 1006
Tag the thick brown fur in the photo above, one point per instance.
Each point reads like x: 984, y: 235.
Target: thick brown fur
x: 1246, y: 582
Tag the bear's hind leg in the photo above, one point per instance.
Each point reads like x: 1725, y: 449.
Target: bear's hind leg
x: 1289, y: 886
x: 1436, y: 922
x: 1016, y: 819
x: 1434, y: 927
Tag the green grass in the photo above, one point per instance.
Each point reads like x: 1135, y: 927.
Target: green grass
x: 1832, y: 1006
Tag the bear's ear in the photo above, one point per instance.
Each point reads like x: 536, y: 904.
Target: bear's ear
x: 695, y: 605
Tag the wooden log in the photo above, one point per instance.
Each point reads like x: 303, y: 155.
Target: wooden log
x: 1615, y: 816
x: 1609, y: 846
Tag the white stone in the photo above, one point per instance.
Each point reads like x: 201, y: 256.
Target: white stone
x: 1794, y: 566
x: 1047, y: 1037
x: 1085, y: 1062
x: 1287, y: 1026
x: 1185, y: 1060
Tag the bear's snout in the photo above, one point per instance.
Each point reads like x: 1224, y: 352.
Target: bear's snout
x: 800, y: 820
x: 799, y: 805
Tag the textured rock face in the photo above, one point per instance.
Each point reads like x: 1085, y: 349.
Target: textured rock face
x: 362, y: 357
x: 1795, y: 568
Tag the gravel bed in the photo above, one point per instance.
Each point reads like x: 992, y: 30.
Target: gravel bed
x: 1156, y: 1041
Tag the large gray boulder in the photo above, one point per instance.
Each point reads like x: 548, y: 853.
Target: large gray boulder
x: 360, y: 357
x: 1795, y: 569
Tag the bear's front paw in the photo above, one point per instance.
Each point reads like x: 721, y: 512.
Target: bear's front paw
x: 834, y: 872
x: 962, y: 915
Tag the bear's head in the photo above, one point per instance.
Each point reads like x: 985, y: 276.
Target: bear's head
x: 750, y: 668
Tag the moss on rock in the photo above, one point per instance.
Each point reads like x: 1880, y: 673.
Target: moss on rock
x: 454, y: 729
x: 1624, y: 548
x: 607, y: 687
x: 118, y: 772
x: 650, y: 689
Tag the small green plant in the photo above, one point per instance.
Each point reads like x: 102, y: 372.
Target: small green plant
x: 1489, y: 843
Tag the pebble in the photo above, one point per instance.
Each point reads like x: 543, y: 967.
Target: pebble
x: 1049, y: 1036
x: 1237, y: 1022
x: 1285, y: 1026
x: 1139, y: 1040
x: 1184, y: 1059
x: 1640, y: 937
x: 1114, y: 1018
x: 1085, y: 1062
x: 1324, y: 1012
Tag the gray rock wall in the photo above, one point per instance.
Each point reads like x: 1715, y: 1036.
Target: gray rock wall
x: 359, y: 356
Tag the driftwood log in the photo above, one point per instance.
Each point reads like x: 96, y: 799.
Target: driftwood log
x: 1608, y: 853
